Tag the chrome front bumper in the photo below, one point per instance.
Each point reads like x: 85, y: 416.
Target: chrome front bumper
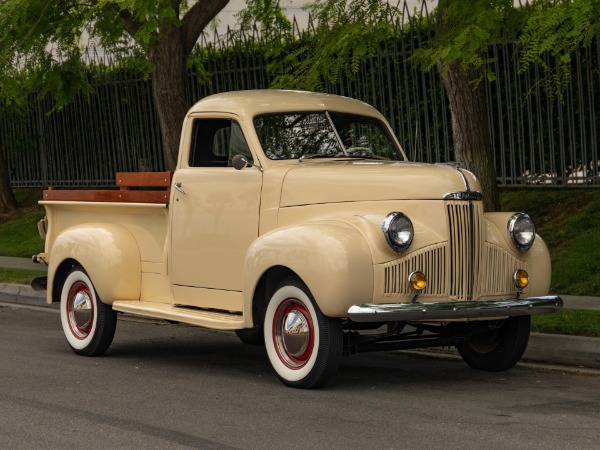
x: 475, y: 309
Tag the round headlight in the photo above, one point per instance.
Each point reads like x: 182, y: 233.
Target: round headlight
x: 522, y: 231
x: 398, y: 231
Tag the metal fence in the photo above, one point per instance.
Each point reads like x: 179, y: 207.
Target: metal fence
x: 537, y: 140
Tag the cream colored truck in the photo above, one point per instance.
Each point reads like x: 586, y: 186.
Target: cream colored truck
x: 296, y: 220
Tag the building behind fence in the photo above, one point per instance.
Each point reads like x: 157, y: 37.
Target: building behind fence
x: 537, y: 140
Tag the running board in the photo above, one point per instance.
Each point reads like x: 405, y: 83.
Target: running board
x: 193, y: 316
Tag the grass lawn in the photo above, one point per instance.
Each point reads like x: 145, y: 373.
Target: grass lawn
x: 569, y: 222
x: 19, y: 276
x: 18, y: 230
x: 568, y: 321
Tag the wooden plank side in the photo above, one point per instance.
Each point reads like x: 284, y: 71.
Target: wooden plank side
x: 144, y: 179
x: 108, y: 196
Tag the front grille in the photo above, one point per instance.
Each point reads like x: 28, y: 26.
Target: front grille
x: 454, y: 268
x: 464, y: 262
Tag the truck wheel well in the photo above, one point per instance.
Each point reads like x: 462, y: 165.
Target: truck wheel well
x: 264, y: 288
x: 60, y: 276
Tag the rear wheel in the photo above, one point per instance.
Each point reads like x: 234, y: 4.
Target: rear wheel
x: 499, y: 348
x: 303, y: 345
x: 89, y: 325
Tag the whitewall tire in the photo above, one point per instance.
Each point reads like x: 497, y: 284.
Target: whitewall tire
x: 304, y: 346
x: 89, y: 325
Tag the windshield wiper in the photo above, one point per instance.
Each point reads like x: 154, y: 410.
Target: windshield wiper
x: 315, y: 155
x: 383, y: 158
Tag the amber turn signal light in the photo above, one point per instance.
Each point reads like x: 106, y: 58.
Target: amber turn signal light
x: 417, y: 281
x: 521, y: 278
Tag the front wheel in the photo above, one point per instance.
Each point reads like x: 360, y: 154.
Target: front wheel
x: 89, y: 325
x: 499, y: 348
x: 304, y: 346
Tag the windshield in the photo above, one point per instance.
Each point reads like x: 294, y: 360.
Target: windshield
x: 324, y: 134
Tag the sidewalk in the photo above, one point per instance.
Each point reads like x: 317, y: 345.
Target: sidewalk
x: 576, y: 351
x: 20, y: 263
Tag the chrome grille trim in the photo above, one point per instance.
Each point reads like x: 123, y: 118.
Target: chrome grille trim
x: 464, y: 256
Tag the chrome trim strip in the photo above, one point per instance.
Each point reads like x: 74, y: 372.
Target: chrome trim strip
x: 466, y: 195
x: 337, y: 135
x: 409, y: 312
x: 456, y: 167
x: 467, y: 187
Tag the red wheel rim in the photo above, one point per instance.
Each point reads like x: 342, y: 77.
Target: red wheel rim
x: 293, y: 333
x: 80, y: 310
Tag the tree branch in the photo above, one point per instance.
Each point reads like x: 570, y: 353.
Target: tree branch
x: 130, y: 24
x: 197, y: 18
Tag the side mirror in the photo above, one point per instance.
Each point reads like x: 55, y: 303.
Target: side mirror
x: 239, y: 162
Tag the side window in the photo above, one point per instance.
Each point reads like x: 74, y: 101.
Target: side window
x: 215, y: 142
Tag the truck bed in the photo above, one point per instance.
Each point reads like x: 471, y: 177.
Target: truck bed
x: 133, y: 187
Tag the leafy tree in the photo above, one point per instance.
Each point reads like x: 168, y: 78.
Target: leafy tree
x: 463, y: 31
x: 558, y: 28
x: 349, y: 30
x: 44, y: 40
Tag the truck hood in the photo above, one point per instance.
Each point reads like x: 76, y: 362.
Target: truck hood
x: 338, y: 181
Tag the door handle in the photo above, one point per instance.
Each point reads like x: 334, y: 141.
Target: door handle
x: 178, y: 187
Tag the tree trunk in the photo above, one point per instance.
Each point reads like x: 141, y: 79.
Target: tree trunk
x: 470, y: 129
x: 7, y: 198
x: 168, y: 91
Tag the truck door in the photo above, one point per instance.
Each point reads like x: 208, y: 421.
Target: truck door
x: 215, y: 216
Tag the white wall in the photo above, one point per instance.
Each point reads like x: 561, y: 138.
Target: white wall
x: 292, y: 8
x: 227, y: 17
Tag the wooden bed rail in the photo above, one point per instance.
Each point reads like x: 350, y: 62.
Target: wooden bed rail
x: 134, y: 187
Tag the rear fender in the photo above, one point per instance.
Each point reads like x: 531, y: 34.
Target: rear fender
x: 109, y: 254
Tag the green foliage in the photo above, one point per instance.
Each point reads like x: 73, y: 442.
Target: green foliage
x: 569, y: 222
x: 557, y: 28
x: 268, y: 18
x: 42, y: 44
x: 346, y: 32
x: 463, y: 31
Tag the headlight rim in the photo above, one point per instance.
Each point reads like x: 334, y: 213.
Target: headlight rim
x: 514, y: 219
x: 385, y: 227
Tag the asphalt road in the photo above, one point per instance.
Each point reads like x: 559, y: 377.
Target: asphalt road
x: 168, y: 387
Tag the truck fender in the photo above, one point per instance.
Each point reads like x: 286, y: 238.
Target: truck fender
x: 109, y: 254
x: 332, y: 258
x: 537, y: 258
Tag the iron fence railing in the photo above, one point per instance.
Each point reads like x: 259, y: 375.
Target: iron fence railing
x: 537, y: 140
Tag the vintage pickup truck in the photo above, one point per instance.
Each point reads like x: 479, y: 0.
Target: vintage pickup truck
x: 296, y: 220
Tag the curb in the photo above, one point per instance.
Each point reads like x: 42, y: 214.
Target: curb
x: 562, y: 349
x: 578, y: 351
x: 20, y: 293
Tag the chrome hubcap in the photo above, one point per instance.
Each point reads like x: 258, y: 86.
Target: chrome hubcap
x: 293, y: 333
x: 80, y: 310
